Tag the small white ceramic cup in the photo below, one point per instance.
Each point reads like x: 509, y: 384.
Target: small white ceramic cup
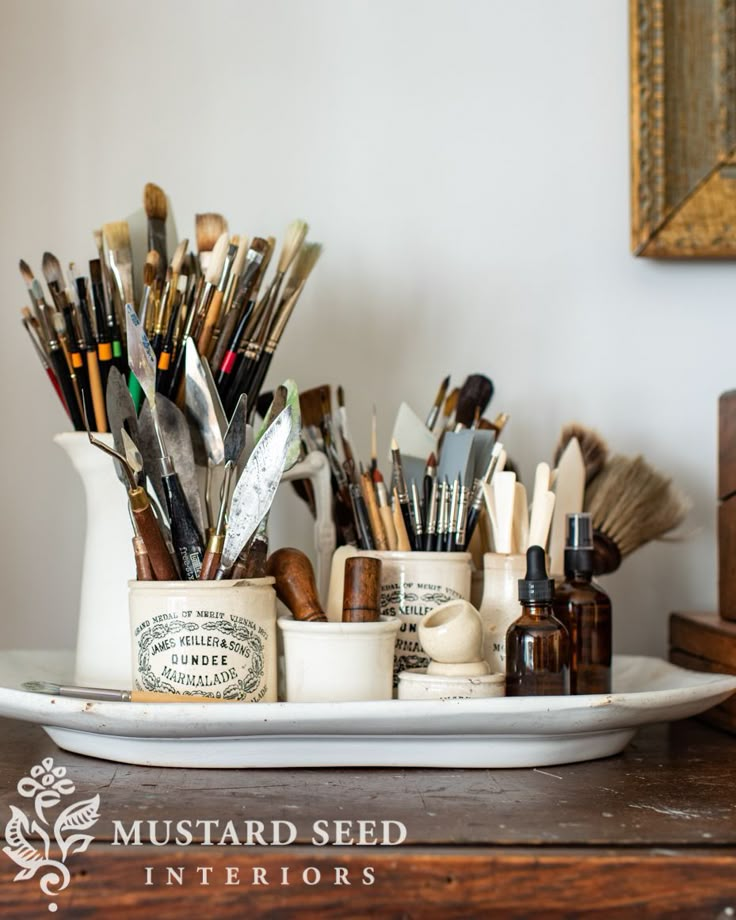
x: 338, y: 662
x: 452, y: 633
x: 211, y: 638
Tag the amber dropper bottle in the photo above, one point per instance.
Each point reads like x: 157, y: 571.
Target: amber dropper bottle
x: 585, y: 609
x: 537, y: 645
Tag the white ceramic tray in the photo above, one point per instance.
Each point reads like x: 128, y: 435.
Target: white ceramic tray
x: 507, y: 732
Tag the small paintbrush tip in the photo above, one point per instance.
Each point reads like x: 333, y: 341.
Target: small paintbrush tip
x: 394, y: 445
x: 59, y: 324
x: 117, y: 236
x: 95, y: 271
x: 432, y: 460
x: 217, y: 259
x: 26, y: 314
x: 154, y: 201
x: 295, y: 235
x: 209, y: 228
x: 52, y: 269
x: 179, y: 254
x: 341, y: 397
x: 446, y: 382
x: 149, y: 274
x: 25, y: 270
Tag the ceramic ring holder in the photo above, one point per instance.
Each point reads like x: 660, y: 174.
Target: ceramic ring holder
x: 452, y: 636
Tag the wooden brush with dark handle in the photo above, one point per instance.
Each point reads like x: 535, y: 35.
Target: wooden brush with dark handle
x: 296, y: 587
x: 362, y: 590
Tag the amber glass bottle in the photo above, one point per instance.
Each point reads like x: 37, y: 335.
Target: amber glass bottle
x: 537, y: 645
x: 585, y: 609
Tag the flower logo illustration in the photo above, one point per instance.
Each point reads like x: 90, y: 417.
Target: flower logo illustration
x: 46, y: 784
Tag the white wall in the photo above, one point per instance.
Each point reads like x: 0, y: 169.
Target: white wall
x: 465, y: 165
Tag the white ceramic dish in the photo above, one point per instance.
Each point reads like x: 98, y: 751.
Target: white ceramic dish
x: 506, y: 732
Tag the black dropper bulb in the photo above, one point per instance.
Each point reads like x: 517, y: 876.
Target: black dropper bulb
x: 536, y: 587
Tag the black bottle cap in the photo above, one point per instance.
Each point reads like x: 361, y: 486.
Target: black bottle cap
x: 536, y: 588
x: 579, y: 544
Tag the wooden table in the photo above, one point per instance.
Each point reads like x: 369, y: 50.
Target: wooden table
x: 650, y: 833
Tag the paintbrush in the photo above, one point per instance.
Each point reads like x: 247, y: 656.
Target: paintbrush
x: 294, y: 238
x: 27, y: 318
x: 89, y: 348
x: 631, y: 504
x: 236, y: 271
x: 274, y: 315
x: 51, y: 268
x: 115, y: 696
x: 437, y: 405
x: 403, y: 495
x: 36, y: 296
x: 119, y: 258
x: 209, y: 228
x: 306, y: 260
x: 473, y: 398
x: 109, y: 347
x: 223, y: 264
x: 62, y: 364
x: 228, y: 342
x: 154, y: 202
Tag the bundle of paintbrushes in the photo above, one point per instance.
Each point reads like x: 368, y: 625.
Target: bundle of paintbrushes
x: 452, y: 487
x: 440, y: 467
x: 217, y: 299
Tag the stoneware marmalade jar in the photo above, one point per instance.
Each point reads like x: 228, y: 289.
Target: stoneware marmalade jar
x: 211, y: 638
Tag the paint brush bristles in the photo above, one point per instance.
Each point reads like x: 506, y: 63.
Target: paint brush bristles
x: 209, y: 228
x: 294, y: 237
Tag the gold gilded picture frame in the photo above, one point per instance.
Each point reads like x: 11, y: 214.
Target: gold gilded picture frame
x: 683, y: 128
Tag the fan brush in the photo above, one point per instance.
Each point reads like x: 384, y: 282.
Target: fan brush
x: 631, y: 504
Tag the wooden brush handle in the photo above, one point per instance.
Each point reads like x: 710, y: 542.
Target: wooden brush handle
x: 210, y: 320
x: 158, y: 553
x: 295, y: 583
x: 212, y: 556
x: 402, y: 536
x: 362, y: 590
x: 388, y: 527
x: 95, y: 385
x: 143, y: 569
x: 374, y: 517
x: 151, y: 696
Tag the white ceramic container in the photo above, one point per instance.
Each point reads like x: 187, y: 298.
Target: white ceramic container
x: 336, y: 662
x: 412, y: 584
x: 103, y: 632
x: 215, y: 639
x: 418, y: 685
x: 500, y: 605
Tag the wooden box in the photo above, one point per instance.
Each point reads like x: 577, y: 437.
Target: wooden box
x: 706, y: 642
